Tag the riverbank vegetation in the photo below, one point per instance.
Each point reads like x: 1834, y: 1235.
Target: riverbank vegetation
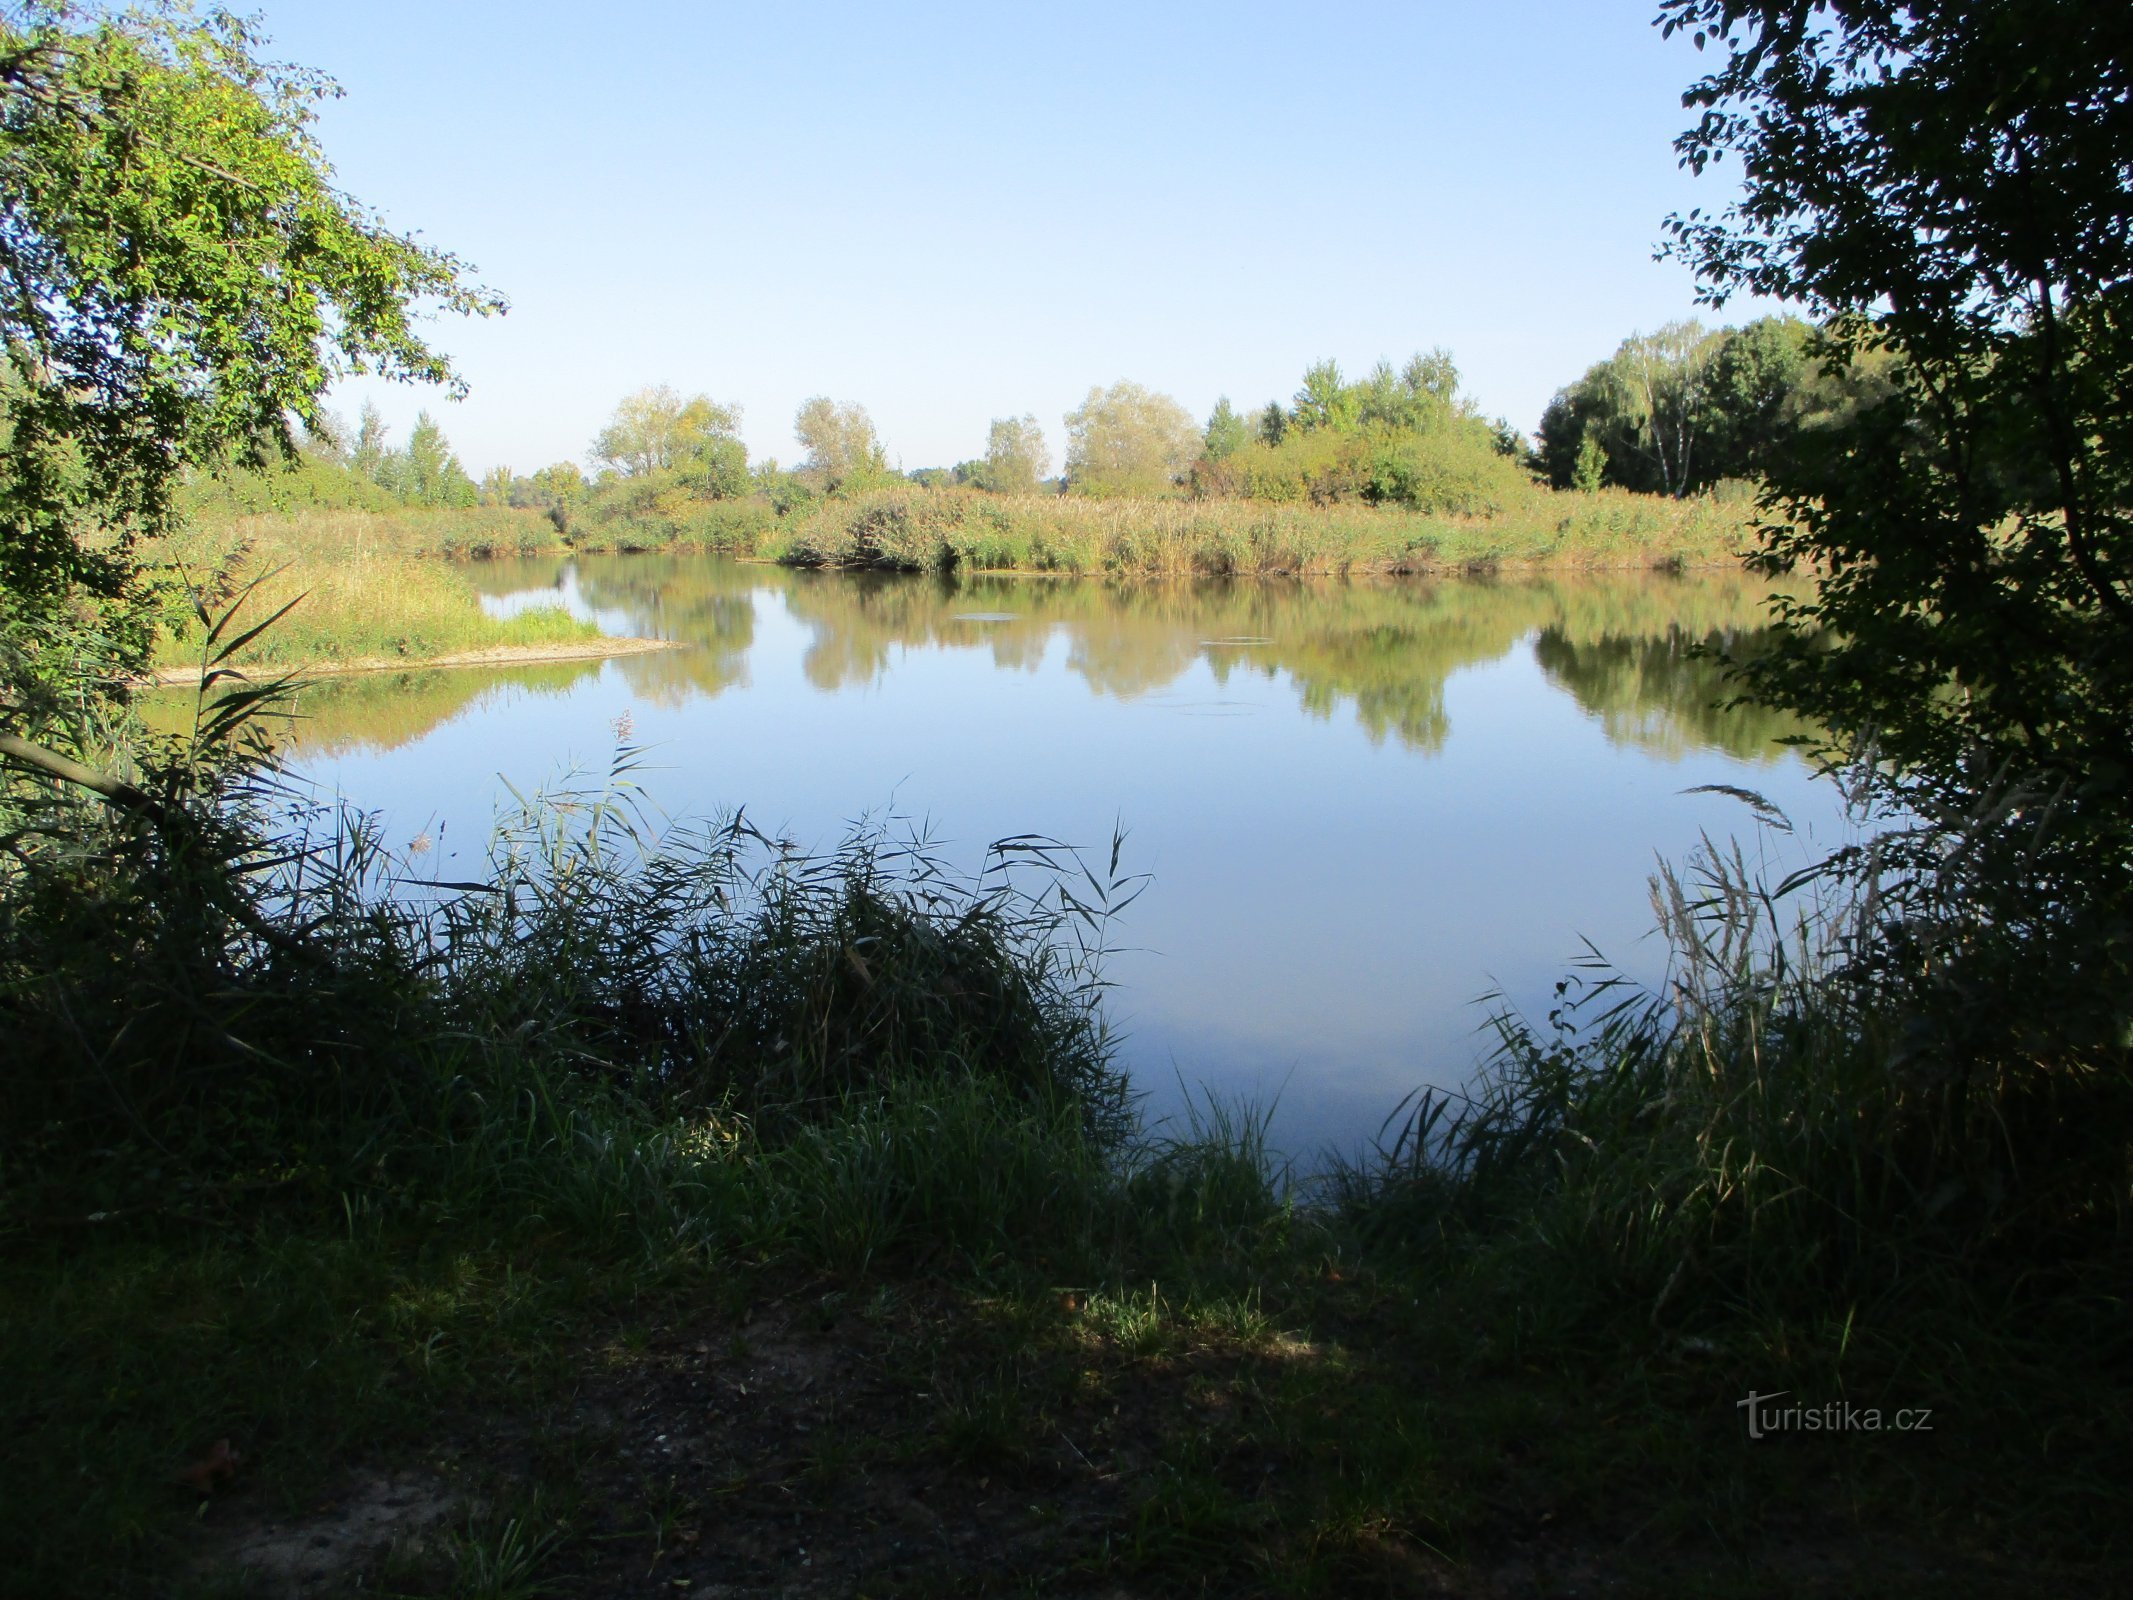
x: 346, y: 586
x: 677, y: 1209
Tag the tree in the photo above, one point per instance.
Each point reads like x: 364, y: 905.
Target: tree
x: 842, y: 450
x: 558, y: 490
x: 1675, y: 411
x: 1756, y: 390
x: 1948, y: 185
x: 1659, y: 383
x: 1227, y: 432
x: 1127, y: 440
x: 1324, y: 401
x: 1947, y: 188
x: 432, y: 475
x: 1016, y: 456
x: 180, y: 282
x: 367, y: 455
x: 657, y: 429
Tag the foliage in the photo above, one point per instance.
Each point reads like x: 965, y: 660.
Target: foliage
x: 696, y: 440
x: 1947, y: 189
x: 351, y: 585
x: 1404, y: 438
x: 1128, y: 440
x: 1680, y: 409
x: 182, y: 282
x: 1226, y: 433
x: 934, y: 529
x: 1016, y: 456
x: 842, y: 448
x: 187, y: 974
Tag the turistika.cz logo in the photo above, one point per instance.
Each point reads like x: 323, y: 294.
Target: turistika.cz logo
x: 1766, y: 1416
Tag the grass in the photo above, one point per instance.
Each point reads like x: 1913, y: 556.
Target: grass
x: 676, y: 1210
x: 933, y: 529
x: 361, y: 586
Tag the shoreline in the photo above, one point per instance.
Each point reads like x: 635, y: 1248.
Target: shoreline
x: 502, y: 655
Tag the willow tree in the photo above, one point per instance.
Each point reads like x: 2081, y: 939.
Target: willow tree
x: 843, y: 451
x: 1016, y: 456
x: 180, y: 282
x: 1128, y: 440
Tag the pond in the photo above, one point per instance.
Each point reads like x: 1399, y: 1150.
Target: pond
x: 1363, y: 805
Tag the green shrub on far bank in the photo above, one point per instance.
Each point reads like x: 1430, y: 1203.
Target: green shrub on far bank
x: 658, y: 511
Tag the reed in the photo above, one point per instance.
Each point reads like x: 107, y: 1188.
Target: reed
x: 942, y: 529
x: 358, y: 586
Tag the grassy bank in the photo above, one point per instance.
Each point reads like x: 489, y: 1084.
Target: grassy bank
x: 361, y: 586
x: 678, y: 1211
x: 380, y: 586
x: 935, y: 529
x: 938, y: 529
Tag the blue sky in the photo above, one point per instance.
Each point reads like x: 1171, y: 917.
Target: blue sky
x: 950, y: 213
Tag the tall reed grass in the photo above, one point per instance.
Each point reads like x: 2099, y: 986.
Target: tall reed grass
x: 224, y: 989
x: 1762, y: 1134
x: 938, y: 529
x: 358, y: 586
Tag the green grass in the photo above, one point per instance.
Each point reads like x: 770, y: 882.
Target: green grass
x: 361, y: 586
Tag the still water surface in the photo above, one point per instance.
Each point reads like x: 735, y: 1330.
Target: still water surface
x: 1363, y: 805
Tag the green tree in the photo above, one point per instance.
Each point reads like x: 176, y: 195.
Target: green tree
x: 1757, y: 387
x: 558, y: 490
x: 1674, y: 411
x: 1324, y: 401
x: 658, y: 430
x: 1227, y: 432
x: 842, y: 449
x: 432, y: 475
x: 180, y: 282
x: 367, y: 455
x: 1948, y: 190
x: 1129, y: 440
x: 1590, y: 470
x: 1659, y: 387
x: 1016, y: 456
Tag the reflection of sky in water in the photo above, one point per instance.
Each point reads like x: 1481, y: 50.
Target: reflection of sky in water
x: 1326, y: 906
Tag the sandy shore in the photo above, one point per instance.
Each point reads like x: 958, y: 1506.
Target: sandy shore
x: 495, y: 656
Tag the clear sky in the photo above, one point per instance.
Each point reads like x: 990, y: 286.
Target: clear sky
x: 950, y: 213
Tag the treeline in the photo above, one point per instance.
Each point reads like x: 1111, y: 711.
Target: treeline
x: 1673, y: 412
x: 338, y: 469
x: 672, y: 468
x: 1678, y: 410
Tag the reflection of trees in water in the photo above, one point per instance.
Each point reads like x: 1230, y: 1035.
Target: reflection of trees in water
x: 1383, y: 649
x: 1658, y: 694
x: 710, y: 606
x: 381, y: 710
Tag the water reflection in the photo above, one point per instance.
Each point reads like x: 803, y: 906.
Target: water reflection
x: 1621, y: 644
x: 1364, y: 804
